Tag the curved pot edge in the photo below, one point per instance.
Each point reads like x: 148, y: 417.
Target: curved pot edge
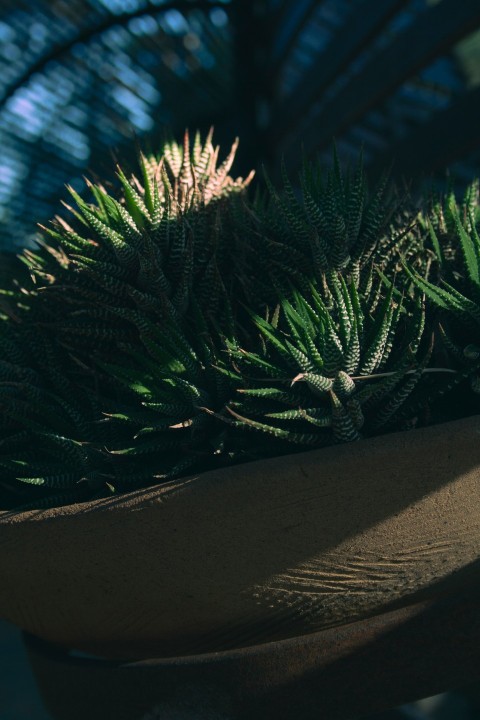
x: 213, y: 568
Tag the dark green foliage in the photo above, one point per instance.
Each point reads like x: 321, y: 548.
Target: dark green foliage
x: 165, y: 238
x: 330, y: 222
x: 339, y: 365
x: 454, y: 289
x: 175, y: 326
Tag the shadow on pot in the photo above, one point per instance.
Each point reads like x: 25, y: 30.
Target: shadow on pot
x: 253, y: 553
x: 340, y: 673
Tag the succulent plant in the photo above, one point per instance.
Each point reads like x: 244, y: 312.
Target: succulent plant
x: 332, y: 372
x: 178, y: 326
x: 150, y: 247
x: 454, y: 289
x: 327, y: 222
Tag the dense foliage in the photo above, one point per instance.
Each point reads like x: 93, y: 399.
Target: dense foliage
x: 174, y: 324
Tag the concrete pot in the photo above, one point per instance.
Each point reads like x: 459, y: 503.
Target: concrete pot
x: 251, y: 554
x: 340, y: 673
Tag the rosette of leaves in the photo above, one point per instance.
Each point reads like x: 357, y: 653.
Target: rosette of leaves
x: 123, y: 267
x: 330, y: 221
x: 146, y: 418
x: 171, y: 391
x: 453, y: 289
x: 163, y: 237
x: 331, y: 370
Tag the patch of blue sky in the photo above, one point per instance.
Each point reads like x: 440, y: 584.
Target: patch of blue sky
x: 10, y: 51
x: 116, y: 37
x: 19, y: 21
x: 71, y: 140
x: 174, y: 22
x: 124, y: 72
x: 39, y: 30
x: 39, y: 37
x: 218, y: 17
x: 143, y: 83
x: 22, y: 112
x: 12, y: 172
x: 148, y: 92
x: 143, y: 26
x: 32, y: 108
x: 59, y: 86
x: 7, y: 33
x: 8, y: 175
x: 65, y: 90
x: 137, y: 110
x: 142, y: 121
x: 120, y: 7
x: 75, y: 115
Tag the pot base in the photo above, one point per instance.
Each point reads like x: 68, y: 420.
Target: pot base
x: 340, y: 673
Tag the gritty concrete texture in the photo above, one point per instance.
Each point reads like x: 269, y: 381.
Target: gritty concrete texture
x: 253, y: 553
x: 340, y: 673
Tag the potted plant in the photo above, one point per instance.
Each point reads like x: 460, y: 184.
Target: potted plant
x: 208, y: 405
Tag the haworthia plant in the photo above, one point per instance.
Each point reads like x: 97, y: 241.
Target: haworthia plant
x: 164, y: 236
x: 454, y: 289
x: 331, y: 373
x: 175, y: 324
x: 328, y: 221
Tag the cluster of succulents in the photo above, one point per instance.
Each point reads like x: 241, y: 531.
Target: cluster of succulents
x: 175, y: 324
